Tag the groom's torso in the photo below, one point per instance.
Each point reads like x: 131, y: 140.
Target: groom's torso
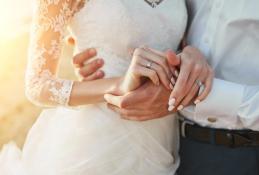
x: 227, y: 32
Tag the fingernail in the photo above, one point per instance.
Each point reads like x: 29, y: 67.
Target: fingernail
x: 171, y: 102
x: 92, y: 51
x: 176, y: 73
x: 99, y: 73
x: 197, y: 101
x: 170, y: 108
x: 100, y: 61
x: 180, y: 108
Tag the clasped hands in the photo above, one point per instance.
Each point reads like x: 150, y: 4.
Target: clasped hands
x: 155, y: 84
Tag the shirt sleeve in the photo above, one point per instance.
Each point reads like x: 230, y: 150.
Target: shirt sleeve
x: 51, y: 17
x: 234, y: 103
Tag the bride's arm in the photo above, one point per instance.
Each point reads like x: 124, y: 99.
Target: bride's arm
x: 43, y: 87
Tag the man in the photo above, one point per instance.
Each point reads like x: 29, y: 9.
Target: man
x: 218, y: 135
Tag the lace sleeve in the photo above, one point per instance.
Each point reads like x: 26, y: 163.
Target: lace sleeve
x: 49, y: 22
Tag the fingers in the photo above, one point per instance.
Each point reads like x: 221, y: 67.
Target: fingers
x: 126, y: 113
x: 159, y: 70
x: 95, y: 76
x: 189, y: 97
x: 114, y: 100
x: 91, y: 68
x: 207, y: 86
x: 147, y: 54
x: 134, y: 115
x: 179, y: 91
x: 82, y: 57
x: 173, y: 59
x: 198, y: 72
x: 161, y: 54
x: 145, y: 72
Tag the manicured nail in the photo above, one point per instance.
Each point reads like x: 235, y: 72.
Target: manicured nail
x: 197, y: 101
x: 180, y: 108
x: 171, y: 102
x: 170, y: 108
x: 176, y: 73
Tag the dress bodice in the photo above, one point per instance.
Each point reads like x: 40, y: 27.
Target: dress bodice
x: 112, y: 27
x: 118, y: 26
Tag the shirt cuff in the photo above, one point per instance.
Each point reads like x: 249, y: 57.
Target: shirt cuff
x: 223, y: 101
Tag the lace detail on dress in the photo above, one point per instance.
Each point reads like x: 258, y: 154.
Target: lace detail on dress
x: 50, y: 19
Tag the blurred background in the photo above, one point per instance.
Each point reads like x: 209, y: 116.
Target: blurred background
x: 17, y: 114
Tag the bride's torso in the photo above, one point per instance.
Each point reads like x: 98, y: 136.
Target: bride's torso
x: 93, y: 140
x: 115, y: 27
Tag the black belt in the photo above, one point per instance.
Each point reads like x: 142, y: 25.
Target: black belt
x: 230, y: 138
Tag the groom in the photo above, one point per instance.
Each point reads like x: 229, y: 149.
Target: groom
x: 219, y: 136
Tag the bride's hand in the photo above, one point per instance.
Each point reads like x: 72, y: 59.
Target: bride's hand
x: 146, y: 63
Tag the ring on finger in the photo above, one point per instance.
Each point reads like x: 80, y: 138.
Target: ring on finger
x: 199, y: 83
x: 149, y: 65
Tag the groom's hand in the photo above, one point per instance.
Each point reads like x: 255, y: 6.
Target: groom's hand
x: 145, y: 103
x: 90, y: 70
x: 193, y: 69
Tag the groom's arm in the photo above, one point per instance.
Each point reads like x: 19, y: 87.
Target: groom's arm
x: 231, y: 103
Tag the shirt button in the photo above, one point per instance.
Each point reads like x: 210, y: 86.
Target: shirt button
x: 212, y: 119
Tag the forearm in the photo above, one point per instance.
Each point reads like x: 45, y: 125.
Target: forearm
x: 91, y: 92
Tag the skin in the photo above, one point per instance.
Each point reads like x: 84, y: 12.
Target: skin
x: 91, y: 92
x: 193, y: 67
x: 150, y: 101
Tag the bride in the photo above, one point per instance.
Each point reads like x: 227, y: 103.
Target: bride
x: 91, y: 139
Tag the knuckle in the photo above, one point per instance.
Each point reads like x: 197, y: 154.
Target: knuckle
x: 188, y: 63
x: 123, y: 103
x: 197, y: 68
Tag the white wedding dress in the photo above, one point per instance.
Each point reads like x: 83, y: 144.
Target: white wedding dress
x: 93, y: 140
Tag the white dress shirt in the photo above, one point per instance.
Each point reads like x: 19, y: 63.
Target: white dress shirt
x: 227, y: 32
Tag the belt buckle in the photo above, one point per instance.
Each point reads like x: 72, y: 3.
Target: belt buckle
x: 239, y: 140
x: 183, y: 126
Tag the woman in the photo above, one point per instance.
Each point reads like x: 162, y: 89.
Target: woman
x: 92, y: 139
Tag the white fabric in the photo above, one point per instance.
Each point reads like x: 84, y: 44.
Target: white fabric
x: 227, y: 32
x: 94, y: 140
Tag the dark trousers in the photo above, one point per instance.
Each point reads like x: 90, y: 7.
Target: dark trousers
x: 205, y: 159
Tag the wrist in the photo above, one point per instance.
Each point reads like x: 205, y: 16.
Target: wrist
x: 117, y: 87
